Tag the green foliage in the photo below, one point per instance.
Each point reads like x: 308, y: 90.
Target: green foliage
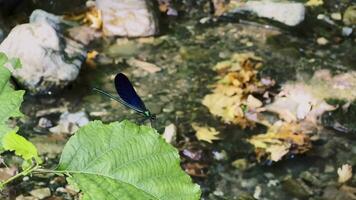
x: 115, y: 161
x: 21, y: 146
x: 10, y: 102
x: 125, y: 161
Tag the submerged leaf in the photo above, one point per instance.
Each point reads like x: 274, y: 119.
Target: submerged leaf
x: 125, y: 161
x: 345, y: 173
x: 230, y: 95
x: 207, y: 134
x: 296, y: 102
x: 280, y: 139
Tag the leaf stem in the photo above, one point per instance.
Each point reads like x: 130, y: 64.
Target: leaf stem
x: 23, y: 173
x: 41, y: 170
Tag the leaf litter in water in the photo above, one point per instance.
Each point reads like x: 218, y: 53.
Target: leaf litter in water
x: 345, y: 173
x: 207, y: 134
x: 281, y: 138
x: 238, y: 79
x: 299, y: 104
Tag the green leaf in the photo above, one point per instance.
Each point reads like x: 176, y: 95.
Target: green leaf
x: 10, y: 103
x: 125, y: 161
x: 15, y: 63
x: 14, y: 142
x: 3, y: 58
x: 5, y: 75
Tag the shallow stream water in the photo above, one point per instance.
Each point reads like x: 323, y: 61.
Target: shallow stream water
x: 186, y: 53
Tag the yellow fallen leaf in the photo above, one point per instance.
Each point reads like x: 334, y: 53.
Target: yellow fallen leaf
x: 207, y: 134
x: 345, y: 173
x: 278, y: 151
x: 314, y: 3
x: 91, y: 17
x: 252, y: 102
x: 280, y: 139
x: 237, y: 80
x: 90, y: 60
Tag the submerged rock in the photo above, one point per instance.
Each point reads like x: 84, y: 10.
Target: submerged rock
x: 41, y: 193
x: 49, y: 59
x: 131, y: 18
x: 288, y: 13
x: 350, y: 15
x: 70, y: 122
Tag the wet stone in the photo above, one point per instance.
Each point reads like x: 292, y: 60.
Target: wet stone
x: 296, y: 188
x: 41, y: 193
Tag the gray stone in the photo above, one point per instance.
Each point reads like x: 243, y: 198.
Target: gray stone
x: 130, y: 18
x: 70, y: 122
x: 49, y: 59
x: 289, y: 13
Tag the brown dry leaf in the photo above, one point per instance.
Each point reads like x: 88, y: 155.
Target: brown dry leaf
x: 91, y: 17
x: 345, y: 173
x: 149, y: 67
x: 325, y: 86
x: 280, y: 139
x: 220, y: 7
x: 238, y: 79
x: 7, y: 172
x: 303, y: 101
x: 90, y: 60
x: 195, y: 169
x: 207, y: 134
x: 296, y: 102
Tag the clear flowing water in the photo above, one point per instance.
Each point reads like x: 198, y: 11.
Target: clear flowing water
x: 186, y: 53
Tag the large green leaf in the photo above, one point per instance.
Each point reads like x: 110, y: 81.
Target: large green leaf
x: 4, y: 77
x: 125, y: 161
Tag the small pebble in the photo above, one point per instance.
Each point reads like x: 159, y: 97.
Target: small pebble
x: 41, y: 193
x: 336, y: 16
x: 170, y: 133
x: 44, y: 123
x: 346, y: 31
x: 322, y: 41
x: 257, y: 193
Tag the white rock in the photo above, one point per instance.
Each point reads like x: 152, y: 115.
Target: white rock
x: 336, y: 16
x: 131, y: 18
x: 70, y: 122
x: 322, y: 41
x: 170, y: 133
x: 49, y: 60
x: 257, y: 193
x: 288, y: 13
x: 346, y: 31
